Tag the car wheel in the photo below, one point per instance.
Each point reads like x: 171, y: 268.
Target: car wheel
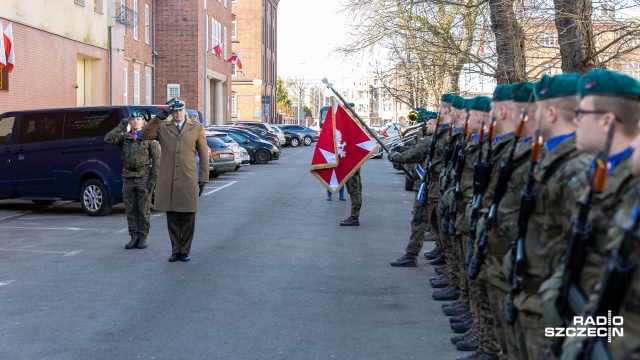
x: 94, y: 198
x: 43, y: 202
x: 408, y: 185
x: 262, y: 156
x: 214, y: 174
x: 237, y: 167
x: 294, y: 142
x: 307, y: 141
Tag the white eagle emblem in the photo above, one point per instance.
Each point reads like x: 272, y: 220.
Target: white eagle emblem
x: 341, y: 144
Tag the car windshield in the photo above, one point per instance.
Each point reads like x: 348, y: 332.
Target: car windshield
x: 225, y: 138
x: 214, y: 142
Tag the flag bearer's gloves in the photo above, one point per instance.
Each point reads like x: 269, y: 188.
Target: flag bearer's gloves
x: 393, y: 156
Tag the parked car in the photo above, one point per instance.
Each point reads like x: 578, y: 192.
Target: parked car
x: 60, y: 154
x: 244, y: 155
x: 262, y: 133
x: 263, y: 125
x: 221, y: 159
x: 260, y: 151
x: 309, y: 134
x: 229, y: 141
x: 292, y: 138
x: 279, y: 133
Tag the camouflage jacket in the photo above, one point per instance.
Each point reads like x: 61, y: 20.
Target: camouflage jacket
x: 140, y: 158
x: 438, y: 161
x: 414, y: 154
x: 499, y: 152
x: 466, y: 184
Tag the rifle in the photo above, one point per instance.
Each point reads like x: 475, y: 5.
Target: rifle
x: 615, y: 284
x: 426, y: 180
x: 527, y: 202
x: 462, y: 156
x: 506, y: 170
x: 485, y: 176
x: 572, y: 299
x: 456, y: 153
x: 448, y: 156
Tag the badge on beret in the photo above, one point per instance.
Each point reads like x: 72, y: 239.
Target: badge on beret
x: 590, y: 84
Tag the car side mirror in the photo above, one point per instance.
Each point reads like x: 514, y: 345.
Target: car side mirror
x: 246, y: 141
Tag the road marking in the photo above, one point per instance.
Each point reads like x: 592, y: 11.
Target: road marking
x: 6, y: 282
x: 127, y: 229
x: 397, y: 182
x: 51, y: 228
x: 65, y: 253
x: 220, y: 188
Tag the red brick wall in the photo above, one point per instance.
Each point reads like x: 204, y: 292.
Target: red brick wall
x: 46, y: 70
x: 137, y: 51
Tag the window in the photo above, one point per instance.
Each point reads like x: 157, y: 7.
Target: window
x: 146, y: 23
x: 548, y: 39
x: 386, y: 106
x: 79, y: 2
x: 90, y: 123
x: 173, y: 90
x: 237, y: 137
x: 97, y: 6
x: 147, y: 89
x: 225, y: 3
x: 631, y: 41
x: 135, y: 28
x: 40, y: 127
x: 234, y: 104
x: 234, y: 27
x: 216, y: 31
x: 630, y: 69
x: 224, y: 44
x: 4, y: 79
x: 126, y: 86
x: 6, y: 128
x: 136, y: 88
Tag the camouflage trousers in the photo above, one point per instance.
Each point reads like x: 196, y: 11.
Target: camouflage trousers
x: 487, y: 325
x: 419, y: 227
x: 354, y: 188
x: 533, y: 326
x: 511, y: 338
x: 137, y: 203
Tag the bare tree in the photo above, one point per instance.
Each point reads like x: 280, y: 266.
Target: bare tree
x: 298, y: 86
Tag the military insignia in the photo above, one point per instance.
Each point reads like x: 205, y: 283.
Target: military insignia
x: 543, y: 91
x: 590, y: 85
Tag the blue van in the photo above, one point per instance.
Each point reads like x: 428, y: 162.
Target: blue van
x: 60, y: 154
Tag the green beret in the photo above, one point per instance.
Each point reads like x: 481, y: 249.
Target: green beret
x: 422, y: 114
x: 502, y: 92
x: 608, y: 83
x: 432, y: 115
x: 448, y: 98
x: 459, y: 102
x: 522, y: 92
x: 480, y: 103
x: 136, y: 114
x: 556, y: 86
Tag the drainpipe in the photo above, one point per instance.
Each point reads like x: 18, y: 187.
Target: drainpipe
x: 110, y: 67
x: 153, y: 49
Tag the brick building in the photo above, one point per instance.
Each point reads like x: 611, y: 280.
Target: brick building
x: 254, y: 36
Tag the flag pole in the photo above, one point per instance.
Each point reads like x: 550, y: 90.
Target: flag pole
x: 364, y: 125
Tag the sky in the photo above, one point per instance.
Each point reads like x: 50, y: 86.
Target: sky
x: 308, y: 31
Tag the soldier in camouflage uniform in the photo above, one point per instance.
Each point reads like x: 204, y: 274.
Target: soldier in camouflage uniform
x: 607, y: 99
x: 141, y: 160
x: 354, y: 188
x: 560, y: 176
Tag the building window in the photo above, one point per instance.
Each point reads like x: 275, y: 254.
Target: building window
x: 126, y: 85
x: 234, y: 104
x: 146, y: 23
x: 173, y: 90
x: 224, y: 44
x: 548, y: 69
x: 225, y: 3
x: 630, y: 69
x: 79, y: 2
x: 147, y: 88
x: 234, y: 27
x: 136, y: 88
x: 135, y: 28
x: 548, y: 39
x: 216, y: 30
x: 233, y: 69
x: 97, y: 6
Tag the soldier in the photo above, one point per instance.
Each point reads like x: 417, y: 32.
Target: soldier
x: 559, y: 178
x: 420, y: 216
x: 141, y: 160
x: 609, y: 106
x: 354, y: 188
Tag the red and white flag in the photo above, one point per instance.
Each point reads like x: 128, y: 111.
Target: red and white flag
x: 235, y: 59
x: 326, y: 147
x: 352, y: 148
x: 217, y: 50
x: 3, y: 56
x: 9, y: 47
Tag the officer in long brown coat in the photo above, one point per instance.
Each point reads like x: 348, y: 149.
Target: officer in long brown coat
x: 178, y: 188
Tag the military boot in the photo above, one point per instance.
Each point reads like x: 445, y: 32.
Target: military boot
x: 463, y: 326
x: 452, y: 303
x: 456, y: 338
x: 441, y: 282
x: 438, y: 261
x: 440, y: 269
x: 451, y: 292
x: 471, y: 343
x: 432, y: 255
x: 133, y: 243
x: 475, y: 356
x: 405, y: 261
x: 456, y: 310
x: 459, y: 318
x: 350, y: 221
x: 143, y: 242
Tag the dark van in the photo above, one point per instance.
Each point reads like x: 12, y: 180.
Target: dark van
x: 60, y: 154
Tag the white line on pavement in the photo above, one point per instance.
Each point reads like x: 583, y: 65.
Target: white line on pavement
x: 65, y: 253
x: 51, y: 228
x: 6, y: 282
x: 221, y: 187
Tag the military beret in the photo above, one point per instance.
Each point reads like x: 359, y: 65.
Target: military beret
x: 432, y: 115
x: 480, y: 103
x: 556, y: 86
x: 608, y: 83
x: 522, y: 92
x: 422, y: 114
x: 448, y: 98
x: 459, y: 102
x: 502, y: 92
x: 136, y: 114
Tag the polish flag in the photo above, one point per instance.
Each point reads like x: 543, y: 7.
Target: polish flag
x: 3, y: 56
x: 353, y: 147
x: 217, y: 50
x: 9, y: 49
x: 235, y: 59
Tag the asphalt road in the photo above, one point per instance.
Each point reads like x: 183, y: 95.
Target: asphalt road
x: 272, y: 276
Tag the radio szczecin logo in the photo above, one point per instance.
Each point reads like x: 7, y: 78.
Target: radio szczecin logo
x: 590, y: 326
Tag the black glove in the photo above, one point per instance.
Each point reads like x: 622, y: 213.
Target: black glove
x: 163, y: 115
x: 201, y: 186
x: 125, y: 122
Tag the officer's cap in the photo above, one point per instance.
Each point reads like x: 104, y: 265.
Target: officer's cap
x: 556, y: 86
x: 177, y: 103
x: 502, y: 92
x: 522, y: 92
x: 608, y: 83
x: 480, y: 103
